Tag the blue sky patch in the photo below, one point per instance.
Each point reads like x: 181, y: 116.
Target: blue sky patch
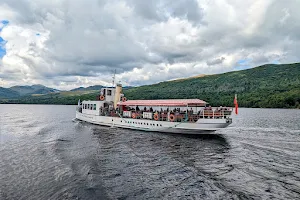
x: 37, y: 34
x: 275, y: 62
x: 2, y: 52
x: 2, y: 41
x: 242, y: 64
x: 2, y: 49
x: 5, y: 22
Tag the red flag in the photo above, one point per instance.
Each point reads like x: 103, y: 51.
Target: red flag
x: 236, y: 104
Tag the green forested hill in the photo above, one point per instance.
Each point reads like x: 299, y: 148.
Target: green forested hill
x: 276, y: 86
x: 8, y: 93
x: 269, y: 86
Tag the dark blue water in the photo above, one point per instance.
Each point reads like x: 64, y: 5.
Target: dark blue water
x: 44, y: 155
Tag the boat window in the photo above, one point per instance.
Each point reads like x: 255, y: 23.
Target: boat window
x: 94, y: 106
x: 108, y: 92
x: 91, y: 106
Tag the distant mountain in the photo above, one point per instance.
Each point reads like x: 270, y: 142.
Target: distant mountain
x: 94, y: 87
x: 127, y: 87
x: 7, y: 93
x: 33, y: 89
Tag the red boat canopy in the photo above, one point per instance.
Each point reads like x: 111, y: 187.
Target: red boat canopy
x: 164, y: 102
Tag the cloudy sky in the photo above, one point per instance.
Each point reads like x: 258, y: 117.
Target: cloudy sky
x: 69, y: 43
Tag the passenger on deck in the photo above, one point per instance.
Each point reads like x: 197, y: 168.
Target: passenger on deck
x: 151, y: 109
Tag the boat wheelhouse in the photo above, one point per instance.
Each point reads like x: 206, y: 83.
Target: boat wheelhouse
x: 190, y: 116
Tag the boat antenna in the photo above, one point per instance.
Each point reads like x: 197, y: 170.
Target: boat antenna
x: 114, y: 78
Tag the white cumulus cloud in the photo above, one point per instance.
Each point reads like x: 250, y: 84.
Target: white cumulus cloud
x: 71, y: 43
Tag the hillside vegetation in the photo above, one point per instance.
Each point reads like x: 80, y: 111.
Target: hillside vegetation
x: 276, y: 86
x: 268, y: 86
x: 8, y: 93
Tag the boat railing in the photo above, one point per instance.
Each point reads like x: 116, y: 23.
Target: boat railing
x: 214, y: 113
x: 217, y: 113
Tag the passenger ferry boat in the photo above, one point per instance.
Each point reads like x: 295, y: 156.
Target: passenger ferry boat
x: 185, y: 116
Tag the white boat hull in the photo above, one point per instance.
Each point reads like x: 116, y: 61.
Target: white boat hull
x: 202, y: 126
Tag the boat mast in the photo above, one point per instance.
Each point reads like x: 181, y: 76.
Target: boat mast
x: 114, y: 78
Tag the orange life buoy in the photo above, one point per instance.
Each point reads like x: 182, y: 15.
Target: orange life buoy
x: 217, y: 113
x: 124, y: 99
x: 133, y: 115
x: 156, y: 117
x: 171, y: 117
x: 102, y: 97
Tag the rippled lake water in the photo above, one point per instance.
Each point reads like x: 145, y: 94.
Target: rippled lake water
x: 45, y: 155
